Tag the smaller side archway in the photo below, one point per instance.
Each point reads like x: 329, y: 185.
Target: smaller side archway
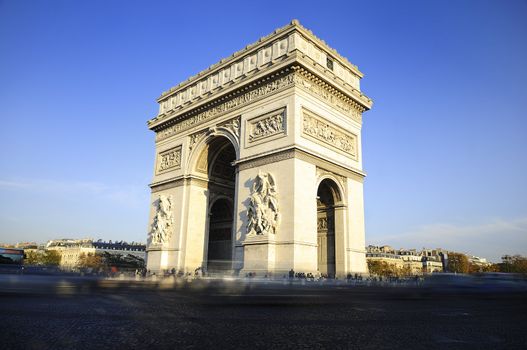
x: 330, y: 228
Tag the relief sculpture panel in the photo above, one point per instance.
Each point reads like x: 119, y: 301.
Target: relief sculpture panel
x: 266, y: 127
x: 169, y: 160
x: 316, y: 127
x: 163, y: 221
x: 243, y: 99
x: 262, y: 211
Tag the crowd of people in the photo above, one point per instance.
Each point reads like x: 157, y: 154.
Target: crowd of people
x: 291, y: 276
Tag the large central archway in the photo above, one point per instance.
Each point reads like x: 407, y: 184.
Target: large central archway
x: 219, y: 246
x: 220, y: 155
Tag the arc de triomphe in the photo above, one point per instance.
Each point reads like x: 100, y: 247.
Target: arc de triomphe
x: 258, y: 163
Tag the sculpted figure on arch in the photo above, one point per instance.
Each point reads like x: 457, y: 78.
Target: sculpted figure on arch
x: 163, y: 220
x: 262, y: 211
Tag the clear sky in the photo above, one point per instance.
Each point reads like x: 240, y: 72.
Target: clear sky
x: 444, y: 146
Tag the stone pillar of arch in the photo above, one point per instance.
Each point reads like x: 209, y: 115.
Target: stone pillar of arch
x: 261, y: 130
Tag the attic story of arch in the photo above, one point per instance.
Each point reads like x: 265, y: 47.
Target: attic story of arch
x: 258, y: 163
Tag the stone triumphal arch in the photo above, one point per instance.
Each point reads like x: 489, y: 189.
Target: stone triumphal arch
x: 258, y: 163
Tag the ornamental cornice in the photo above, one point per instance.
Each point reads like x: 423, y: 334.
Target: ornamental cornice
x: 287, y: 45
x: 165, y: 185
x: 278, y: 155
x: 244, y: 95
x: 353, y: 97
x: 178, y: 181
x: 261, y: 160
x: 269, y: 240
x: 296, y: 75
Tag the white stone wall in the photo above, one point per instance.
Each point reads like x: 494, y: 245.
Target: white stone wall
x: 295, y: 244
x: 356, y: 253
x: 266, y: 123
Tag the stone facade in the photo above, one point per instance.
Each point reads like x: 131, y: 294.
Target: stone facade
x: 260, y: 159
x: 415, y: 263
x: 70, y: 250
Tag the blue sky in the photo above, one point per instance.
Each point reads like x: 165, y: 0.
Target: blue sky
x: 444, y: 146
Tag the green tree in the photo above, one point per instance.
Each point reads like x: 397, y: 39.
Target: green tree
x: 519, y: 264
x: 382, y: 268
x: 32, y: 258
x: 458, y: 263
x: 51, y: 258
x: 405, y: 271
x: 374, y: 266
x: 516, y: 264
x: 90, y: 261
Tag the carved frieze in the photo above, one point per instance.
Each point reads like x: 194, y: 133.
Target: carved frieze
x: 314, y: 126
x: 250, y: 96
x: 169, y: 160
x: 262, y: 212
x: 272, y: 158
x: 267, y: 52
x: 317, y: 87
x: 267, y: 126
x: 299, y: 77
x: 163, y: 221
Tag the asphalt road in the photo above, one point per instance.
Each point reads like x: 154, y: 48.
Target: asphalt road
x: 76, y: 313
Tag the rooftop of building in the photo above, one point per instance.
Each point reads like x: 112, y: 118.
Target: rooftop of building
x: 99, y: 244
x: 121, y: 245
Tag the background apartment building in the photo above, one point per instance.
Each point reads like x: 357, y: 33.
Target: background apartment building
x: 71, y: 250
x: 413, y: 261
